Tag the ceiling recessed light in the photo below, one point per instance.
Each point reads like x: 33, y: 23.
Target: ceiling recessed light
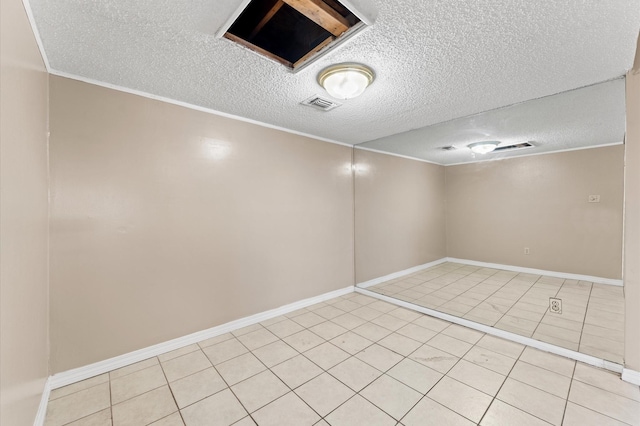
x: 483, y: 147
x: 346, y: 81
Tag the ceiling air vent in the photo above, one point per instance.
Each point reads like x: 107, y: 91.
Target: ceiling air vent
x: 515, y: 146
x: 292, y: 32
x: 320, y: 103
x: 448, y: 148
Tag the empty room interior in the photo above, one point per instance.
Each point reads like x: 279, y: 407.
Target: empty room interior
x: 320, y: 212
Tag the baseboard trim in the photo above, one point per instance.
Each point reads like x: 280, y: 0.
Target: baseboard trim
x: 44, y: 401
x: 543, y: 346
x: 565, y: 275
x: 402, y: 273
x: 82, y: 373
x: 631, y: 376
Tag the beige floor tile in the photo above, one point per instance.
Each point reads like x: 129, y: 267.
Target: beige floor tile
x: 576, y: 415
x: 366, y: 313
x: 489, y: 359
x: 602, y: 343
x: 136, y: 383
x: 275, y: 353
x: 145, y: 408
x: 257, y: 338
x: 405, y: 314
x: 389, y: 322
x: 463, y: 333
x: 594, y: 330
x: 355, y: 373
x: 174, y: 419
x: 383, y: 307
x: 556, y: 321
x: 224, y: 351
x: 450, y: 345
x: 246, y: 330
x: 477, y: 377
x: 75, y: 387
x: 432, y: 323
x: 501, y: 414
x: 434, y: 358
x: 215, y: 340
x: 329, y: 312
x: 79, y: 404
x: 324, y: 393
x: 328, y: 330
x: 288, y: 410
x: 415, y: 375
x: 599, y: 353
x: 371, y: 331
x: 351, y: 342
x: 416, y: 332
x: 259, y: 390
x: 524, y: 314
x: 101, y: 418
x: 427, y: 412
x: 197, y: 386
x: 347, y: 305
x: 556, y: 341
x: 483, y: 316
x: 606, y: 380
x: 604, y: 402
x: 379, y: 357
x: 178, y: 352
x: 285, y: 328
x: 362, y: 299
x: 359, y: 411
x: 326, y: 355
x: 392, y: 396
x: 348, y: 321
x: 308, y: 319
x: 296, y: 371
x: 247, y: 421
x: 221, y: 409
x: 542, y: 379
x: 274, y: 320
x: 501, y: 346
x: 534, y: 401
x: 517, y: 323
x: 304, y: 340
x: 462, y: 399
x: 185, y: 365
x: 548, y: 361
x: 560, y: 333
x: 400, y: 344
x: 133, y: 367
x: 238, y: 369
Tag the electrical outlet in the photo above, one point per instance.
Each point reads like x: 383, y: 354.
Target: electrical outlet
x: 555, y: 305
x: 527, y: 251
x: 594, y: 198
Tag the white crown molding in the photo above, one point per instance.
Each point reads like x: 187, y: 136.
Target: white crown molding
x: 631, y: 376
x: 72, y: 376
x: 402, y: 273
x: 599, y: 280
x: 191, y: 106
x: 44, y: 401
x: 543, y: 346
x: 36, y: 34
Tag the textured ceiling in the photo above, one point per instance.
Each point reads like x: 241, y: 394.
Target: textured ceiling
x: 434, y: 60
x: 591, y: 116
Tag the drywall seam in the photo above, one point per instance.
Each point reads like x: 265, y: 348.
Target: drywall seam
x: 568, y: 276
x: 191, y: 106
x: 82, y: 373
x: 528, y: 341
x: 402, y: 273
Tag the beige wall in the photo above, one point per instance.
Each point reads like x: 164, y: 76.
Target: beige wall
x: 632, y: 220
x: 166, y: 221
x: 496, y: 208
x: 23, y: 219
x: 399, y: 216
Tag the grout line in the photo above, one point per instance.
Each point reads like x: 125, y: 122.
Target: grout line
x: 584, y: 319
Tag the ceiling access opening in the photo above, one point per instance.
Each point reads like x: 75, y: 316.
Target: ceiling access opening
x: 293, y: 32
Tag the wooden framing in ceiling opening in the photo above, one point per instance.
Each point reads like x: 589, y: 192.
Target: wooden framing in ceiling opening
x: 292, y: 32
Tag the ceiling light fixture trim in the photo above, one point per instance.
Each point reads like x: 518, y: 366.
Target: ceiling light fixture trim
x: 346, y: 81
x: 483, y: 147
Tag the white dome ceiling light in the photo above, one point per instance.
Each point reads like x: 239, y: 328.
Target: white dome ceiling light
x: 346, y: 81
x: 483, y: 147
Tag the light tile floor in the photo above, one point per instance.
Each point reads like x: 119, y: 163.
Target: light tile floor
x: 591, y: 322
x: 351, y: 361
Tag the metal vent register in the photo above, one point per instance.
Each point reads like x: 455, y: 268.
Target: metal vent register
x: 320, y: 103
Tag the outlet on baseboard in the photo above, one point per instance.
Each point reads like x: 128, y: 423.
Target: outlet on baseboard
x: 527, y: 251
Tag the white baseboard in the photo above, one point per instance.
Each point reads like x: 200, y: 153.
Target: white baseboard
x: 631, y: 376
x: 44, y: 401
x: 402, y: 273
x: 71, y: 376
x: 565, y: 275
x: 543, y: 346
